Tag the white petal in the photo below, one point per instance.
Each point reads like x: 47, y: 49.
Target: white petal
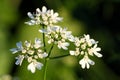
x: 59, y: 18
x: 71, y: 38
x: 30, y: 15
x: 72, y: 52
x: 27, y: 44
x: 14, y: 50
x: 31, y: 52
x: 43, y: 30
x: 91, y: 62
x: 56, y: 14
x: 37, y: 43
x: 19, y: 60
x: 31, y: 22
x: 87, y: 37
x: 88, y: 66
x: 19, y: 45
x: 64, y: 45
x: 98, y: 49
x: 45, y: 54
x: 98, y: 54
x: 82, y: 63
x: 39, y: 65
x: 44, y: 9
x: 31, y: 67
x: 38, y: 10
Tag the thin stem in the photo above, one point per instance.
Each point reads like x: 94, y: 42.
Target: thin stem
x: 50, y: 50
x: 45, y: 64
x: 45, y: 69
x: 44, y: 40
x: 57, y: 57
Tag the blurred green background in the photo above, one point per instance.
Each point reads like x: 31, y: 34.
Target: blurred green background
x: 99, y: 18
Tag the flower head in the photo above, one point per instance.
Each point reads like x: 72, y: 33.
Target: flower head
x: 59, y: 36
x: 85, y: 46
x: 30, y: 51
x: 43, y: 17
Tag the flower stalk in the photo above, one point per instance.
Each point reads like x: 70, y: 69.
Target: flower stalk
x: 45, y: 70
x: 58, y: 57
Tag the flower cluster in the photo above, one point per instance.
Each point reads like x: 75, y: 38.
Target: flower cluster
x: 32, y: 52
x: 86, y: 46
x: 59, y: 36
x: 43, y: 17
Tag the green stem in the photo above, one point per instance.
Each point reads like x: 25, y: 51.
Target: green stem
x: 50, y: 50
x: 45, y: 69
x: 44, y: 40
x: 45, y: 63
x: 57, y: 57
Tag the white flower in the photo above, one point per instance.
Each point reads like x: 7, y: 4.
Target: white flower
x: 95, y: 50
x: 44, y: 10
x: 49, y: 17
x: 19, y: 60
x: 43, y: 31
x: 35, y: 19
x: 78, y: 41
x: 31, y: 52
x: 76, y: 53
x: 66, y: 34
x: 42, y: 55
x: 27, y: 44
x: 29, y: 59
x: 59, y: 36
x: 89, y: 41
x: 43, y: 17
x: 86, y: 62
x: 32, y: 21
x: 54, y: 17
x: 63, y: 45
x: 50, y: 41
x: 30, y: 15
x: 83, y: 46
x: 38, y: 43
x: 19, y: 48
x: 33, y: 65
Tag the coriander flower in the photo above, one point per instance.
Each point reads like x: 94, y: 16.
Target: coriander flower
x: 89, y: 41
x: 44, y: 55
x: 35, y: 20
x: 43, y: 17
x: 86, y: 62
x: 95, y: 50
x: 41, y: 12
x: 33, y: 65
x: 75, y: 53
x: 38, y: 43
x: 19, y: 48
x: 32, y: 52
x: 19, y: 60
x: 85, y: 46
x: 59, y: 36
x: 63, y: 45
x: 52, y: 17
